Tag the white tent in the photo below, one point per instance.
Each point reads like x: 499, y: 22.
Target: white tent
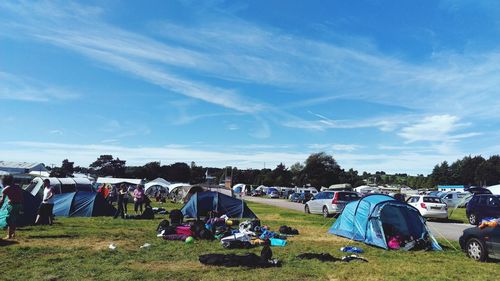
x: 365, y: 189
x: 262, y: 188
x: 156, y: 185
x: 495, y: 189
x: 118, y: 180
x: 238, y: 188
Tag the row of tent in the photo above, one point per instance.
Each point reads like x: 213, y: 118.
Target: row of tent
x: 365, y: 220
x: 92, y: 204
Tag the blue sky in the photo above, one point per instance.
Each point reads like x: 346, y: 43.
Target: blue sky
x: 381, y: 85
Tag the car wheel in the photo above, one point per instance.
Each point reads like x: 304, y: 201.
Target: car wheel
x: 473, y: 219
x: 306, y: 210
x: 476, y: 250
x: 325, y: 212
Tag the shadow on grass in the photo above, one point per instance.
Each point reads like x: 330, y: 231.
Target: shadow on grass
x: 52, y: 236
x: 7, y: 242
x: 444, y: 220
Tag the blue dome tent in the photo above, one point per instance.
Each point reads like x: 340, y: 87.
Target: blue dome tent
x: 203, y: 202
x: 367, y: 220
x: 81, y: 204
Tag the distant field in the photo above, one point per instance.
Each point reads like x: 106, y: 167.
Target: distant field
x: 77, y: 249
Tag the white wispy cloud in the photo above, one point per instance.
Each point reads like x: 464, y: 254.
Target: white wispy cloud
x: 440, y: 128
x: 129, y: 52
x: 13, y: 87
x: 84, y: 154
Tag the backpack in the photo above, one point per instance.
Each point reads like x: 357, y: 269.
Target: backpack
x: 236, y: 244
x: 200, y: 231
x: 176, y: 217
x: 162, y: 226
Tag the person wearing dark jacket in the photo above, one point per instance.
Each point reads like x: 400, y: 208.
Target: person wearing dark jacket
x: 121, y: 202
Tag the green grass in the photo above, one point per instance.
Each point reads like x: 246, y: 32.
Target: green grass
x: 77, y: 248
x: 458, y: 215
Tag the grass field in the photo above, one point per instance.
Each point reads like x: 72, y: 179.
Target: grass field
x: 458, y: 215
x: 77, y: 249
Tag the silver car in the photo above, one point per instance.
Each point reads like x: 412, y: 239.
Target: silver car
x: 330, y: 202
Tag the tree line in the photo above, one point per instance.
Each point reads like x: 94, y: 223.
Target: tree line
x: 319, y: 169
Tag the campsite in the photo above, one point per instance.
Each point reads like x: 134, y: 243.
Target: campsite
x: 78, y: 248
x: 246, y: 140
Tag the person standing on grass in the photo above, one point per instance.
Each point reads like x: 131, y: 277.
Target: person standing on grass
x: 14, y: 205
x: 45, y: 209
x: 121, y: 194
x: 124, y: 189
x: 138, y: 198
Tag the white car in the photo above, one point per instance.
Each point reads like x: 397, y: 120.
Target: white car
x: 456, y: 199
x: 329, y: 202
x: 429, y: 206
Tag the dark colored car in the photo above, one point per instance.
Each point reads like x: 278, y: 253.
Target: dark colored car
x: 483, y: 206
x: 481, y: 244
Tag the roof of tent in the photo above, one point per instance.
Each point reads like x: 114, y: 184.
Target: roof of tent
x: 239, y: 187
x: 495, y: 189
x: 203, y: 202
x: 364, y: 220
x: 118, y: 180
x: 159, y: 181
x: 81, y: 204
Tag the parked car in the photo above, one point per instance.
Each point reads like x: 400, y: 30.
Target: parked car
x: 274, y: 194
x: 429, y: 206
x: 482, y: 206
x: 257, y: 193
x: 456, y: 199
x: 294, y: 197
x: 481, y: 244
x: 330, y: 202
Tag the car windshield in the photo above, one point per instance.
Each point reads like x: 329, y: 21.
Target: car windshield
x: 428, y: 199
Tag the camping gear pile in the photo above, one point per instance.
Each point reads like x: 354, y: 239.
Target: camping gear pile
x: 230, y: 233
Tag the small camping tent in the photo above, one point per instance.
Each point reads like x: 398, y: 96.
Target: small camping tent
x: 239, y: 188
x: 370, y: 219
x: 182, y: 193
x: 81, y: 204
x: 203, y: 202
x: 30, y: 210
x: 156, y: 185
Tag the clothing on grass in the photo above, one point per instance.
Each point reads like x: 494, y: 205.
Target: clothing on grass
x: 175, y: 237
x: 324, y: 257
x: 246, y: 260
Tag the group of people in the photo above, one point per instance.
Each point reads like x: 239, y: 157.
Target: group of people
x: 121, y: 195
x: 15, y: 199
x: 13, y: 195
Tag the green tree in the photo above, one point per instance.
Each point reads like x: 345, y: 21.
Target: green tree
x: 321, y: 169
x: 66, y: 170
x: 106, y: 165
